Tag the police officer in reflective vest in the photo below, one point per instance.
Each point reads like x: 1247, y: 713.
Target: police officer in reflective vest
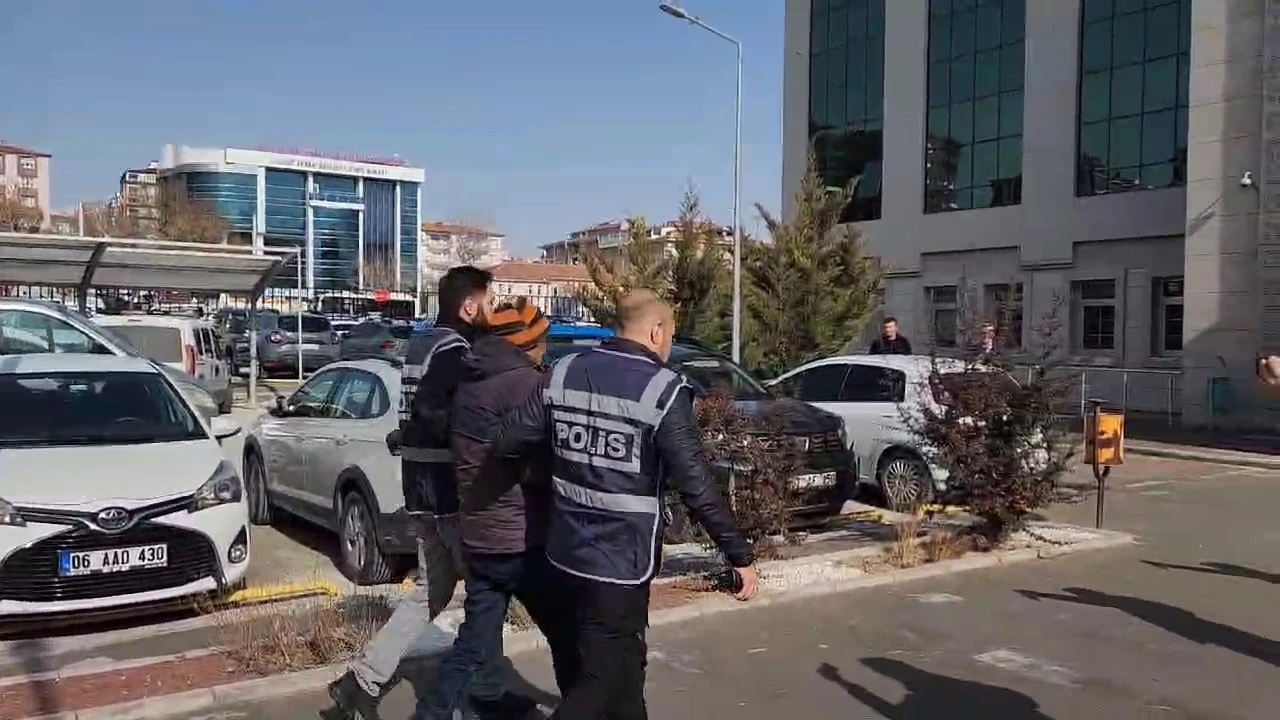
x: 433, y: 367
x: 621, y: 428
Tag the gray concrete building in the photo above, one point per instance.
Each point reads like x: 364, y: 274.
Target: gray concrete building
x: 1111, y: 164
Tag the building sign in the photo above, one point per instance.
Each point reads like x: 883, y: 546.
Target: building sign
x: 306, y: 163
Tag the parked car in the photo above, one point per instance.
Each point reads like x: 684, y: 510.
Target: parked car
x: 114, y: 491
x: 871, y: 393
x: 824, y: 483
x: 232, y: 328
x: 279, y: 338
x: 184, y: 343
x: 374, y: 338
x: 321, y: 455
x: 37, y: 326
x: 342, y: 325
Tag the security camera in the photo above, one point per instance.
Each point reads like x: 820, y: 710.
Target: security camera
x: 1246, y: 180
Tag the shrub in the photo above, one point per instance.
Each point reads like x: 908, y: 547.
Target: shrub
x: 996, y: 436
x: 762, y: 466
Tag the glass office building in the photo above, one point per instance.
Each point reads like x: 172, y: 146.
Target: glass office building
x: 1112, y: 163
x: 354, y: 220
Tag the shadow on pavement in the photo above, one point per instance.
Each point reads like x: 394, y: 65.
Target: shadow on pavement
x: 930, y: 696
x: 420, y: 674
x: 1171, y: 619
x: 1220, y: 568
x: 33, y: 656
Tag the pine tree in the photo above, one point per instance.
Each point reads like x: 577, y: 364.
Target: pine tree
x: 700, y: 276
x: 692, y: 274
x: 811, y: 288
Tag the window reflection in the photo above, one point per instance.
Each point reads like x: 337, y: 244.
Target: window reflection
x: 846, y: 99
x: 973, y: 142
x: 1134, y: 60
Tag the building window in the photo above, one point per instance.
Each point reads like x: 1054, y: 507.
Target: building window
x: 973, y: 137
x: 1004, y: 310
x: 1166, y: 323
x: 1094, y: 324
x: 28, y: 202
x: 846, y: 99
x: 1134, y: 65
x: 27, y: 163
x: 944, y: 314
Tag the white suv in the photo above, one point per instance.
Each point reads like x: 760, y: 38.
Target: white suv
x: 114, y: 491
x: 871, y: 393
x: 182, y: 343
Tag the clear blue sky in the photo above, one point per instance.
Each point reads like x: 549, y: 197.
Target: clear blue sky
x: 539, y: 116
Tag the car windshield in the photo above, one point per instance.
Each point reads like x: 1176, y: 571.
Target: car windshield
x: 162, y: 344
x: 708, y: 372
x: 92, y: 408
x: 310, y: 323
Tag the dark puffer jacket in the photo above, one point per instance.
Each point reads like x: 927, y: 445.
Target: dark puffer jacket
x: 504, y: 500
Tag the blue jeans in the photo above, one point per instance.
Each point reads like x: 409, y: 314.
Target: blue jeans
x: 492, y: 580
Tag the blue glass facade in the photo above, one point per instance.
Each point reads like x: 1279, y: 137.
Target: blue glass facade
x: 409, y: 236
x: 380, y: 234
x: 285, y: 222
x: 233, y: 195
x: 295, y: 215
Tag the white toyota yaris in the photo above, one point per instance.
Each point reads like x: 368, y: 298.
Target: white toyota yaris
x: 113, y: 490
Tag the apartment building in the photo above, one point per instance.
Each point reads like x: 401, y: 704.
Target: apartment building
x: 25, y: 181
x: 139, y: 197
x: 552, y: 286
x: 1112, y: 163
x: 446, y: 245
x: 609, y: 239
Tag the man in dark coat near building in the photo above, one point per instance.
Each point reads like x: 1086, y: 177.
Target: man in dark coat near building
x: 503, y: 519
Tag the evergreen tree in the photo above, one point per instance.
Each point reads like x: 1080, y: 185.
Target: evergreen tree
x: 811, y: 288
x: 638, y: 268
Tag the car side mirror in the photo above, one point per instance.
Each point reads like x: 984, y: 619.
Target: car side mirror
x: 224, y: 427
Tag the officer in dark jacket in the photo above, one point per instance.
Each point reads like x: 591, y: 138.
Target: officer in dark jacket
x: 621, y: 426
x: 504, y: 505
x: 890, y: 342
x: 433, y: 367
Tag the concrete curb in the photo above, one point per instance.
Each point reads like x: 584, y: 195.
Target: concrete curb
x: 206, y: 699
x: 1218, y: 457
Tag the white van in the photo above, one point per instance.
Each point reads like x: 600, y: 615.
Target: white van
x: 180, y: 342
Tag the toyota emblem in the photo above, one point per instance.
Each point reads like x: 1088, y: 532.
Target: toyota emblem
x: 113, y: 518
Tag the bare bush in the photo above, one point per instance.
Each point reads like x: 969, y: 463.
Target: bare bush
x: 298, y: 636
x: 997, y: 437
x: 16, y: 217
x: 762, y: 465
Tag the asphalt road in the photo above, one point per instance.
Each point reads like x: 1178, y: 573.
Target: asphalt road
x: 1180, y: 626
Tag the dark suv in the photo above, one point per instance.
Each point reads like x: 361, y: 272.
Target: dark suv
x: 827, y: 476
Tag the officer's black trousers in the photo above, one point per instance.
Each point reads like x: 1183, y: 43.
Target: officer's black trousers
x: 610, y: 623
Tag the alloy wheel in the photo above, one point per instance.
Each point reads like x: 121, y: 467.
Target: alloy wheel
x: 903, y: 483
x: 353, y: 534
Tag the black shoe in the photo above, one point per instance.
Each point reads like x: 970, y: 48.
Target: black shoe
x: 511, y: 706
x: 351, y: 698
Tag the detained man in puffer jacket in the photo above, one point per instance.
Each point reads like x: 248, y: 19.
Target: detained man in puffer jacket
x: 504, y: 506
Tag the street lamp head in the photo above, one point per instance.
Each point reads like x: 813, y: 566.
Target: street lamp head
x: 673, y: 11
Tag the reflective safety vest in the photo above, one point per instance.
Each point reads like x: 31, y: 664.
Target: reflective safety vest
x: 604, y: 408
x: 416, y: 448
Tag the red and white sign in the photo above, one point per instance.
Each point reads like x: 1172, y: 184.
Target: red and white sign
x: 381, y: 295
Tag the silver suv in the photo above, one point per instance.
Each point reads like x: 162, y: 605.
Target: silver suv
x: 39, y: 326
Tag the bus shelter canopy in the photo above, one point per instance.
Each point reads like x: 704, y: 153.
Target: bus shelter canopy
x: 134, y: 264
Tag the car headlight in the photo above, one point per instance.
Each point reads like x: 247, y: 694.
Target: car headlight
x: 222, y: 488
x: 9, y: 515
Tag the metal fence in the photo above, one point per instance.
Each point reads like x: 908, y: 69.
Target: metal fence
x: 1154, y: 393
x: 338, y: 304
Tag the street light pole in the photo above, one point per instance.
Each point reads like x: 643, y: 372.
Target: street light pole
x: 680, y: 14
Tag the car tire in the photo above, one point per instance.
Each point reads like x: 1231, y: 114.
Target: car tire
x: 363, y: 561
x: 255, y: 489
x: 905, y: 481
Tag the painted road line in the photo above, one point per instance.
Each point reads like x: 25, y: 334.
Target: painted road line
x: 1034, y: 668
x: 273, y: 593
